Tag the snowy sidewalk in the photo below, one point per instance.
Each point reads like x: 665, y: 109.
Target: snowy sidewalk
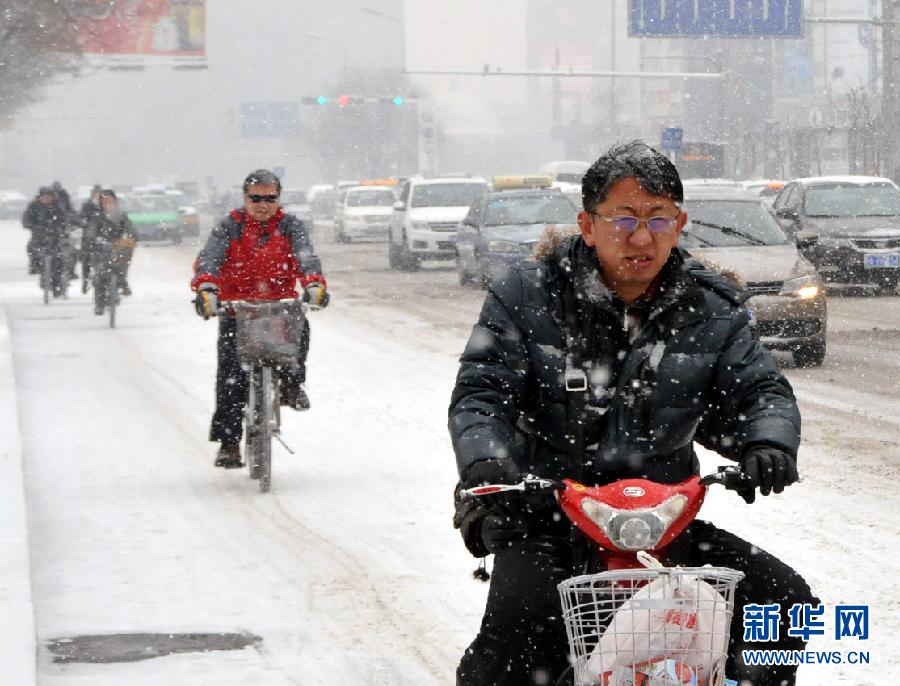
x: 17, y: 649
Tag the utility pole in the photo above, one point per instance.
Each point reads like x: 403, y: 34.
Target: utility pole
x: 889, y: 86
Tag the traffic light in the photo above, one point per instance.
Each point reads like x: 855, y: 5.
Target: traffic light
x: 321, y: 100
x: 398, y: 101
x: 343, y: 100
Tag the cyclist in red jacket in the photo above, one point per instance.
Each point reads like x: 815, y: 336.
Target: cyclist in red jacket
x: 255, y: 253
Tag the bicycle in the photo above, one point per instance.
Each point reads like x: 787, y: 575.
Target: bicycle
x: 268, y: 337
x: 107, y: 262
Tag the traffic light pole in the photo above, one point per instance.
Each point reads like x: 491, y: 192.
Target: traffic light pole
x: 889, y: 87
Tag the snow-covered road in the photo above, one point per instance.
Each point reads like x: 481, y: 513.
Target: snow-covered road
x: 349, y: 570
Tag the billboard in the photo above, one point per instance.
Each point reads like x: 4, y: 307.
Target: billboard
x: 173, y: 28
x: 734, y: 18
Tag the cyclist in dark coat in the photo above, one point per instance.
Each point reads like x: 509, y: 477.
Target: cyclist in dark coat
x: 48, y: 222
x: 112, y: 241
x: 90, y: 210
x: 660, y: 351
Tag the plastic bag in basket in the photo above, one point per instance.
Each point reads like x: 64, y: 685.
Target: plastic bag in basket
x: 678, y: 617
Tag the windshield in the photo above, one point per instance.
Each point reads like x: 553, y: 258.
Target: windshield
x: 729, y: 223
x: 852, y: 200
x: 380, y: 198
x: 530, y: 209
x: 447, y: 194
x: 293, y: 198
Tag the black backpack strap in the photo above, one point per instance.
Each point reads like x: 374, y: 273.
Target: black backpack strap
x: 576, y: 380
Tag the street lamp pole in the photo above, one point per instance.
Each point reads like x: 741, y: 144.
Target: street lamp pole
x: 401, y: 28
x: 343, y: 47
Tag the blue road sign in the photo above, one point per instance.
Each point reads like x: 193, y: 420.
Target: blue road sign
x: 667, y: 18
x: 671, y: 138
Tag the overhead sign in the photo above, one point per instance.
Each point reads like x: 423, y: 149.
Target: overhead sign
x: 269, y: 119
x: 671, y: 138
x: 668, y: 18
x: 174, y: 28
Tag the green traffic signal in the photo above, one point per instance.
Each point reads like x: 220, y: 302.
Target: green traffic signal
x: 398, y: 101
x: 321, y: 100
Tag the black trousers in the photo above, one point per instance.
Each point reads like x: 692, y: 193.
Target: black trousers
x: 522, y: 641
x: 232, y: 382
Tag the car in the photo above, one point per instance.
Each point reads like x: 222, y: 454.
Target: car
x: 156, y: 217
x: 566, y: 171
x: 857, y: 222
x: 12, y: 204
x: 295, y: 202
x: 766, y: 189
x: 322, y: 204
x: 502, y: 227
x: 365, y: 213
x: 425, y: 218
x: 733, y: 230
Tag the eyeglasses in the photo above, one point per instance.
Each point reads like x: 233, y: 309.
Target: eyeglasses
x: 263, y: 198
x: 630, y: 224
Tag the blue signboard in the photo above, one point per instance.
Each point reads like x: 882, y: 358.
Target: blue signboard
x: 668, y: 18
x: 671, y: 138
x: 269, y: 119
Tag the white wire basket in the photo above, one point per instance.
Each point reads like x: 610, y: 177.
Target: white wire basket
x: 650, y: 627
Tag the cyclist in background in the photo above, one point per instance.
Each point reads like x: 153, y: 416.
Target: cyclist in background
x: 257, y: 252
x: 113, y: 238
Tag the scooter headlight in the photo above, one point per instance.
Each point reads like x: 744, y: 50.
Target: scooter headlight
x: 639, y: 529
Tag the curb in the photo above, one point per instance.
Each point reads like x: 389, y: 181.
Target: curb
x: 18, y: 642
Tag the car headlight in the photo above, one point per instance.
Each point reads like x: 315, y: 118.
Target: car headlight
x: 803, y: 287
x: 504, y: 246
x: 634, y: 529
x: 419, y: 226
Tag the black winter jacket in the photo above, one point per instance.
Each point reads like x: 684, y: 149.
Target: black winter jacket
x: 692, y: 372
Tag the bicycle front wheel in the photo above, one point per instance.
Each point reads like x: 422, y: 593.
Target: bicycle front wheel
x: 47, y: 277
x: 251, y: 421
x: 267, y: 425
x: 112, y: 297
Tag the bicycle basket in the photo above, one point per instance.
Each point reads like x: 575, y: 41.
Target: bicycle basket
x: 649, y: 627
x: 269, y: 333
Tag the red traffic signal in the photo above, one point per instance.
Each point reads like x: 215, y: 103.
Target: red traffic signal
x: 343, y: 100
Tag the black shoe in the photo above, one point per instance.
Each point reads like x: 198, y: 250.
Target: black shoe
x: 295, y: 397
x: 229, y: 457
x: 126, y: 289
x: 98, y: 309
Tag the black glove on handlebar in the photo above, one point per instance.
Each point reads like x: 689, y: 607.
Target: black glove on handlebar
x: 768, y: 469
x: 489, y: 524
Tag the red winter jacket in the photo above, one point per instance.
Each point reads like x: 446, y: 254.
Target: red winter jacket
x: 248, y: 260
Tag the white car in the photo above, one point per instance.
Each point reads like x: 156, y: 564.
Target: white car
x: 364, y: 213
x: 426, y: 215
x: 294, y: 202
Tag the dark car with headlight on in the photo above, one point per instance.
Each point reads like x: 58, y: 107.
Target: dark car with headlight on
x: 502, y: 228
x: 857, y: 221
x: 733, y: 230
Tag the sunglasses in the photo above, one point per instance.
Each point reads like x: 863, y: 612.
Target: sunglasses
x: 263, y: 198
x: 630, y: 224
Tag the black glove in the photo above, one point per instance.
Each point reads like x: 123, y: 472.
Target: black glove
x: 207, y: 300
x: 768, y: 469
x: 489, y: 524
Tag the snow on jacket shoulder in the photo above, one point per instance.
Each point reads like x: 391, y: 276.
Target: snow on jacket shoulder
x: 693, y: 372
x: 249, y: 260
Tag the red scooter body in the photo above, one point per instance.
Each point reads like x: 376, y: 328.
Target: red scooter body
x: 632, y: 514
